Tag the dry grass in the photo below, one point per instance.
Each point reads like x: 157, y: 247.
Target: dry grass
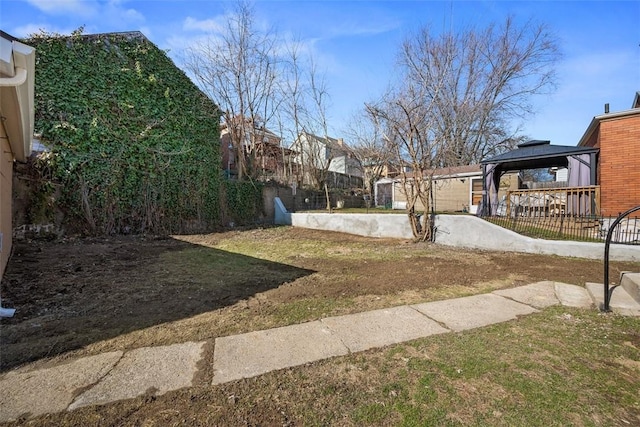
x: 558, y: 367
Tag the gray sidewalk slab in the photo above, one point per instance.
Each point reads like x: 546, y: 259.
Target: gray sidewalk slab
x: 621, y: 302
x: 573, y: 296
x: 255, y: 353
x: 379, y: 328
x: 160, y: 369
x: 114, y: 376
x: 51, y: 389
x: 538, y: 295
x: 473, y: 312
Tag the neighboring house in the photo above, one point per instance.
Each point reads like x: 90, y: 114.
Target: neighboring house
x: 391, y: 170
x: 330, y: 155
x: 17, y: 67
x: 455, y: 189
x: 382, y: 169
x: 374, y: 169
x: 602, y: 173
x: 17, y: 64
x: 560, y: 175
x: 617, y: 136
x: 271, y: 160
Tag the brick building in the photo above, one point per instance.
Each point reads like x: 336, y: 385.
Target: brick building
x: 617, y: 136
x: 261, y: 148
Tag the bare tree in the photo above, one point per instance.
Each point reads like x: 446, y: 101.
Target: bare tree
x: 320, y: 97
x: 481, y: 82
x: 259, y: 81
x: 306, y: 98
x: 238, y: 69
x: 293, y: 115
x: 373, y: 152
x: 456, y: 98
x: 406, y: 124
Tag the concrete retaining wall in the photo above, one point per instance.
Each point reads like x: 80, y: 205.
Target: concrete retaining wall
x: 463, y: 231
x: 374, y: 225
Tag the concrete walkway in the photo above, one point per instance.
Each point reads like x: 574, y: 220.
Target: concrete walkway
x: 121, y: 375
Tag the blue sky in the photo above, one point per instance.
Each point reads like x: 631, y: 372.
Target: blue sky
x: 355, y: 43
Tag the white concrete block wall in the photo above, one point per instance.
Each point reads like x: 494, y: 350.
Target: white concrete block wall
x: 463, y: 231
x: 373, y: 225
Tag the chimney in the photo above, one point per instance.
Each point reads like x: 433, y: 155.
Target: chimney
x: 341, y: 142
x: 606, y: 108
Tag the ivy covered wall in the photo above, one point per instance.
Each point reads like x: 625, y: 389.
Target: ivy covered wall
x: 134, y: 143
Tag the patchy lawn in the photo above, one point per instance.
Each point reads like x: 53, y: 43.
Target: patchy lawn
x: 86, y: 296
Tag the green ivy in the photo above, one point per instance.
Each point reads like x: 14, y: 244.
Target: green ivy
x: 135, y: 144
x: 243, y: 201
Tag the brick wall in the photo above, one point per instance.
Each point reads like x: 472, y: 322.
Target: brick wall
x: 619, y: 141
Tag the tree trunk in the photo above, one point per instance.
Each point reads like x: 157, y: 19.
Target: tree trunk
x: 326, y: 192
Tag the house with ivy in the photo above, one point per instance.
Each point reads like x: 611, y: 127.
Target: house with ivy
x: 133, y: 143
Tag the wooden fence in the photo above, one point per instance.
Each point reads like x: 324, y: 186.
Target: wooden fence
x: 548, y: 202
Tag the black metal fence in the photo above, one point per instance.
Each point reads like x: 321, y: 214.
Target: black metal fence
x: 307, y: 200
x: 588, y: 228
x: 565, y: 213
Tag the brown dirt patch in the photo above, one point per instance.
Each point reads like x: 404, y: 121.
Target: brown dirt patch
x: 86, y: 296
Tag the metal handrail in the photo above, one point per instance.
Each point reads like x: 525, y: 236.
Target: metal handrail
x: 607, y: 243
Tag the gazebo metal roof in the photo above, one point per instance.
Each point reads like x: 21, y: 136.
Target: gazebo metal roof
x: 536, y: 154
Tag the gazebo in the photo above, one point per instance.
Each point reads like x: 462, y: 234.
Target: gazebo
x: 580, y: 196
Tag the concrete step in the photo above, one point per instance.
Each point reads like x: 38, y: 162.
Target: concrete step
x: 621, y: 302
x: 631, y: 283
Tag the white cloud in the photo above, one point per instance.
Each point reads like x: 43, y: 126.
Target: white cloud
x: 589, y: 80
x: 357, y: 29
x: 130, y: 15
x: 112, y: 13
x: 599, y: 64
x: 24, y: 31
x: 117, y: 16
x: 65, y: 7
x: 214, y: 25
x: 179, y: 44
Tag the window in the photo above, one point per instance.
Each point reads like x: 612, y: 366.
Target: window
x: 476, y: 191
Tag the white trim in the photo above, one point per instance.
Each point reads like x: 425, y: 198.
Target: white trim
x: 473, y: 208
x: 17, y: 80
x: 458, y: 175
x: 17, y: 92
x: 597, y: 119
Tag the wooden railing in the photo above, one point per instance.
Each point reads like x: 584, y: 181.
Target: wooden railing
x: 552, y: 213
x: 546, y: 202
